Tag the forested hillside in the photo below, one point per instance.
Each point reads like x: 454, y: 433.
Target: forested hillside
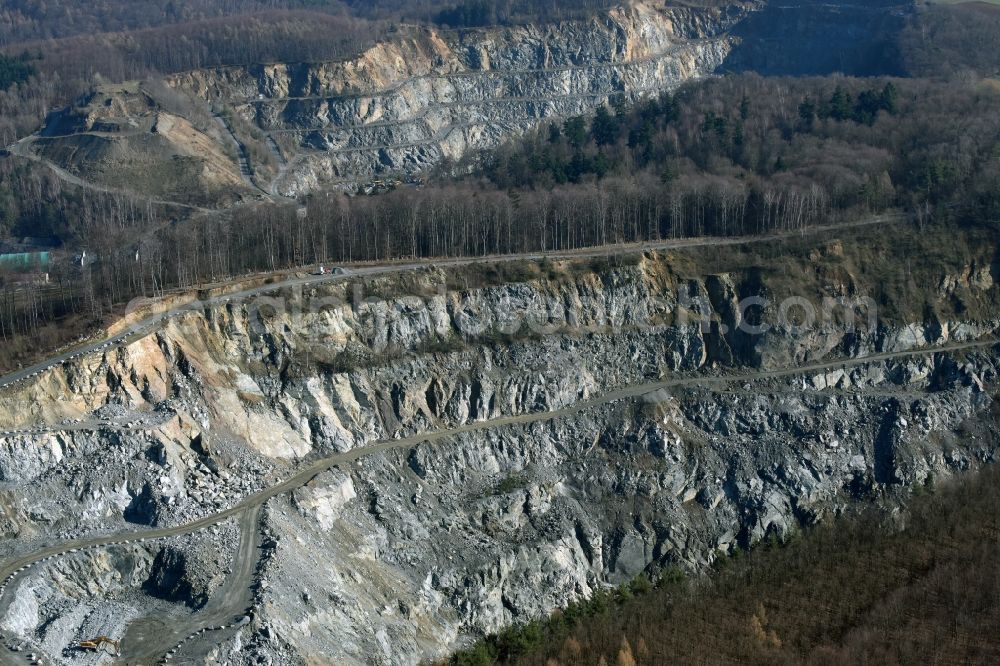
x: 743, y: 154
x: 953, y: 40
x: 31, y: 20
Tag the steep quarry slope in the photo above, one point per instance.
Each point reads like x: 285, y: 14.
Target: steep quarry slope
x: 502, y: 439
x: 425, y: 95
x: 121, y: 137
x: 422, y: 95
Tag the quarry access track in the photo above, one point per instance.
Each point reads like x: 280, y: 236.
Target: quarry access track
x: 21, y: 149
x: 154, y: 322
x: 11, y: 570
x: 157, y: 638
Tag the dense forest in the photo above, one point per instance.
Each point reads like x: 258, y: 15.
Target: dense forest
x: 855, y: 590
x: 15, y: 70
x: 953, y: 40
x: 33, y: 20
x: 747, y: 153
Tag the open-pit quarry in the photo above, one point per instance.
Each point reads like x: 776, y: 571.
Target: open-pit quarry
x: 380, y: 465
x: 423, y: 97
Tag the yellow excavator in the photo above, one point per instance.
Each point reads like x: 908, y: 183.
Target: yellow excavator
x: 97, y: 644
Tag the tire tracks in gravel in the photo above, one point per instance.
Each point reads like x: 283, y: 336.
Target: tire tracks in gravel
x: 153, y: 639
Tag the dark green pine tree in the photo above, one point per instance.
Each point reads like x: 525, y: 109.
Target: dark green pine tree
x: 575, y: 129
x: 890, y: 98
x: 555, y: 133
x: 841, y: 105
x: 604, y: 129
x: 807, y: 112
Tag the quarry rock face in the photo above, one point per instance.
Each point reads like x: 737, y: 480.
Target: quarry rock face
x: 399, y: 554
x: 324, y: 498
x: 423, y: 95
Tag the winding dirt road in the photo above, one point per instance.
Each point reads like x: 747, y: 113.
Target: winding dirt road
x: 21, y: 149
x: 154, y: 640
x: 151, y: 639
x: 148, y: 640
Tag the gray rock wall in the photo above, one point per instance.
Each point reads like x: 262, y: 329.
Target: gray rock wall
x: 422, y: 96
x: 405, y: 554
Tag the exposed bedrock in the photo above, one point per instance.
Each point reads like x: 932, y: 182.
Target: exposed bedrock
x: 423, y: 95
x: 400, y: 556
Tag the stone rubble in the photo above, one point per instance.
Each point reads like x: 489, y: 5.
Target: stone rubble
x: 402, y: 555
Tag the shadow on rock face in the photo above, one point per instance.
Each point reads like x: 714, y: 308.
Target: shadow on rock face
x: 175, y: 577
x: 143, y: 509
x: 812, y: 38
